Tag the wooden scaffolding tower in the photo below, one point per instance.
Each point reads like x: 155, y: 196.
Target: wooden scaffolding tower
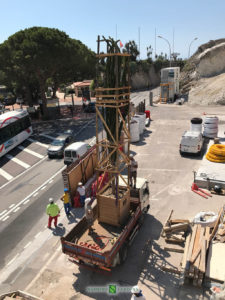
x: 113, y: 111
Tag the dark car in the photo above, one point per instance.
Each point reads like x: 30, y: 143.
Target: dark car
x: 9, y: 101
x: 90, y: 108
x: 58, y: 145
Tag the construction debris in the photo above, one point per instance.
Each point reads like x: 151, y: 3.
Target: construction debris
x: 194, y: 262
x: 174, y: 231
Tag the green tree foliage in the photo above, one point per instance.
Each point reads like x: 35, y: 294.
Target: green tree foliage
x: 131, y: 48
x: 33, y: 57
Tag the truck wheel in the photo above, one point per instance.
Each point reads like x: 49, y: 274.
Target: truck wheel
x: 123, y: 252
x: 141, y: 219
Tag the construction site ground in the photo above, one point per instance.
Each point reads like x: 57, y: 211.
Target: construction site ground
x: 170, y: 178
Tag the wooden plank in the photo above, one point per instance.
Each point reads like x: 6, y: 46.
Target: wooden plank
x: 172, y: 249
x: 216, y: 224
x: 202, y: 264
x: 191, y: 247
x: 215, y: 268
x: 175, y: 221
x: 113, y: 89
x: 197, y: 250
x: 184, y: 259
x: 176, y: 227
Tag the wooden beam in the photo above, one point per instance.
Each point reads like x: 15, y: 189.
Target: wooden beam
x: 113, y: 89
x: 124, y: 125
x: 106, y: 126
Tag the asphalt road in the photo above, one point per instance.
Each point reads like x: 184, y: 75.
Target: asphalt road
x: 27, y: 246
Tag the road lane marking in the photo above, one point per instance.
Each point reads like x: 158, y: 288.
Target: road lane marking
x: 5, y: 219
x: 4, y: 211
x: 11, y: 205
x: 47, y: 136
x: 50, y: 181
x: 27, y: 245
x: 43, y: 187
x: 31, y: 152
x: 38, y: 143
x: 42, y: 144
x: 25, y: 202
x: 5, y: 174
x: 16, y: 209
x: 18, y: 161
x: 35, y: 194
x: 14, y: 178
x: 12, y: 260
x: 162, y: 190
x: 37, y: 235
x: 35, y: 191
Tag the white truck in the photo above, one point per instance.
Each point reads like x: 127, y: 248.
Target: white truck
x: 191, y: 142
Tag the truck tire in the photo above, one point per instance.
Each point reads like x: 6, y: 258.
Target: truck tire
x: 196, y: 120
x: 123, y: 252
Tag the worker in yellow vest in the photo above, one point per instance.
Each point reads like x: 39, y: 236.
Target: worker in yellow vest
x: 66, y: 201
x: 52, y: 211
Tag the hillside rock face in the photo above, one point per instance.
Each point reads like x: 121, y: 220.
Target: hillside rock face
x: 142, y: 80
x: 205, y: 75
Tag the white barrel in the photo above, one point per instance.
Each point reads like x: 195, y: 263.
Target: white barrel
x: 134, y: 131
x: 142, y: 118
x: 136, y: 118
x: 211, y: 127
x: 196, y: 127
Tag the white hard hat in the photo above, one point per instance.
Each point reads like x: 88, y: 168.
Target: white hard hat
x: 50, y: 200
x: 135, y: 290
x: 80, y: 183
x: 131, y: 156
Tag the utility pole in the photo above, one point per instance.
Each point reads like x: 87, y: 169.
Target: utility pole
x: 139, y: 42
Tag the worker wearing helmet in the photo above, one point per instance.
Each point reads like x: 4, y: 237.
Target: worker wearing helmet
x: 52, y: 211
x: 137, y: 293
x: 66, y: 201
x: 89, y: 215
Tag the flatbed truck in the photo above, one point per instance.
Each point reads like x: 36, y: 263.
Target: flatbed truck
x: 107, y: 246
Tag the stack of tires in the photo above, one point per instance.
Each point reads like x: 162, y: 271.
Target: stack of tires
x: 196, y: 124
x: 211, y: 127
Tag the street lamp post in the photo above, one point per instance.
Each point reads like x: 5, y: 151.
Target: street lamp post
x: 190, y: 46
x: 159, y: 36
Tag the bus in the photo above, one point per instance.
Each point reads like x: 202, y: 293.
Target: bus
x: 15, y: 127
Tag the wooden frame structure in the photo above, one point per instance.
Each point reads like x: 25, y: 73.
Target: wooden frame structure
x: 112, y: 159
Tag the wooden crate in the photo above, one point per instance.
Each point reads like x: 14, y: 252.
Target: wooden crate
x: 113, y: 212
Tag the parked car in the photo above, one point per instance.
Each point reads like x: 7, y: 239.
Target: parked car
x: 56, y: 148
x: 9, y: 101
x: 191, y: 142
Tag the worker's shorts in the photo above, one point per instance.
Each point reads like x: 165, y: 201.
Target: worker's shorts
x: 134, y: 174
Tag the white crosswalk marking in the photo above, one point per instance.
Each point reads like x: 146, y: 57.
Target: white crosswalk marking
x: 38, y: 143
x: 18, y: 161
x: 30, y: 152
x: 5, y: 174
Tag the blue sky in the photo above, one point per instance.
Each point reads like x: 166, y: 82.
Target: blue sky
x: 84, y: 20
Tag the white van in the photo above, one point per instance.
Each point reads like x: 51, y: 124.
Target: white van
x: 74, y: 151
x: 191, y: 142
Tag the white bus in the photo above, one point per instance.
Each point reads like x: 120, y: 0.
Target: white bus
x: 15, y: 127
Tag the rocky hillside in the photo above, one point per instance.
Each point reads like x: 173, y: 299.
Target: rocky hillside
x: 204, y: 75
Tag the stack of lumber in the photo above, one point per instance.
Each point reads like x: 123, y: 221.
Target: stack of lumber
x: 194, y: 258
x: 174, y: 230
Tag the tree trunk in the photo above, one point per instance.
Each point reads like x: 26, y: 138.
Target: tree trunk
x: 42, y: 82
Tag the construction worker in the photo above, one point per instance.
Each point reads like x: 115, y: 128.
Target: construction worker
x: 81, y: 191
x: 52, y: 211
x: 137, y: 293
x: 133, y: 170
x: 66, y: 201
x: 89, y: 215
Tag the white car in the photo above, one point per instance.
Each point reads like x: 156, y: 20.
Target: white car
x: 191, y: 142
